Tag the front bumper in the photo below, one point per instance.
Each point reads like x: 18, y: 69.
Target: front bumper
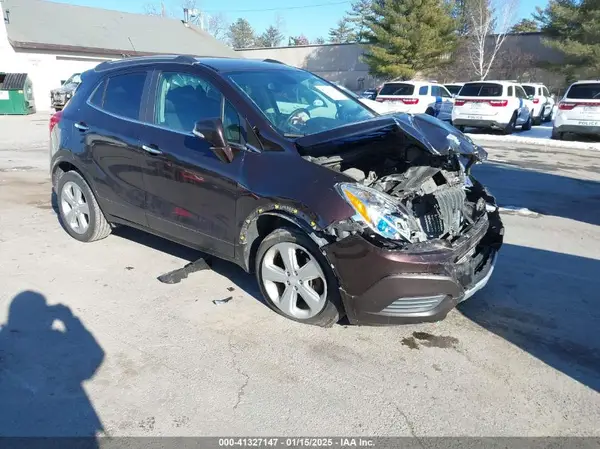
x: 418, y: 284
x: 483, y: 123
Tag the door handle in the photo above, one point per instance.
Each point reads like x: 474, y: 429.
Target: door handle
x: 151, y: 150
x: 81, y: 126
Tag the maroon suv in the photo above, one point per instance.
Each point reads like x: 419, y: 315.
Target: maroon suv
x: 338, y: 210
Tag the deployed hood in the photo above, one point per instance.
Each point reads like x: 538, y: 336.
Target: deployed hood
x: 433, y: 135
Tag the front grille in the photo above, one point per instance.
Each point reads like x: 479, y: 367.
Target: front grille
x: 442, y: 211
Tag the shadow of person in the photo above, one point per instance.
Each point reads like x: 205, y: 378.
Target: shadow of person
x: 45, y: 355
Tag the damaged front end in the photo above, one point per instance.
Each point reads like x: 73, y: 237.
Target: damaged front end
x: 424, y: 234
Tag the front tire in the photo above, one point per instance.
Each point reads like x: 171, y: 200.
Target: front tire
x: 79, y: 212
x: 296, y: 280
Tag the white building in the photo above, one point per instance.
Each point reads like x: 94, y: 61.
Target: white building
x: 51, y: 41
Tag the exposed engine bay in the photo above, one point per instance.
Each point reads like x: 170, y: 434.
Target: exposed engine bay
x: 436, y: 189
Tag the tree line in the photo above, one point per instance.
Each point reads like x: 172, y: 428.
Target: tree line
x: 405, y: 37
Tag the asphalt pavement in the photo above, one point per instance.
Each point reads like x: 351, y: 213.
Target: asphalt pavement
x: 92, y: 343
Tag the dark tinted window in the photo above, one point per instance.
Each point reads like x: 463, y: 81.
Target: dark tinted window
x: 529, y: 90
x: 511, y: 91
x: 520, y: 92
x: 183, y: 99
x: 123, y: 95
x: 96, y: 98
x: 454, y: 90
x: 397, y: 89
x: 545, y: 92
x: 481, y: 90
x: 423, y: 90
x: 231, y: 124
x: 587, y: 91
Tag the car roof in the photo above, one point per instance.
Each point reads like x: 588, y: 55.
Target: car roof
x: 503, y: 82
x: 218, y: 64
x: 585, y: 81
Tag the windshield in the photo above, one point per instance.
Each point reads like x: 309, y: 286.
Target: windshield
x: 529, y: 90
x: 397, y: 89
x: 453, y: 88
x: 298, y: 103
x: 74, y: 79
x: 584, y: 91
x: 481, y: 90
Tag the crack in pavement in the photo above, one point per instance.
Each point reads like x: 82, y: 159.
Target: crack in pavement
x: 410, y: 425
x: 241, y: 391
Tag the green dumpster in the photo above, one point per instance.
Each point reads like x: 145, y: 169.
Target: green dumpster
x: 16, y: 94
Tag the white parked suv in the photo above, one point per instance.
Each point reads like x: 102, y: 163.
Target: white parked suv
x: 500, y: 105
x: 543, y: 103
x: 454, y: 88
x: 579, y: 110
x: 417, y: 97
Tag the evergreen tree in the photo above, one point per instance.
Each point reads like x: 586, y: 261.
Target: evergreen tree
x: 241, y: 34
x: 361, y: 10
x: 298, y: 40
x: 573, y: 28
x: 272, y: 37
x: 342, y: 33
x: 407, y: 36
x: 319, y: 41
x: 525, y: 26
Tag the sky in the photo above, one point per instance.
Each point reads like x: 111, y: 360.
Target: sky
x: 313, y: 18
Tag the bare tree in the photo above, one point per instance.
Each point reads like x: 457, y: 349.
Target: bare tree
x: 156, y: 9
x: 218, y: 26
x: 489, y: 22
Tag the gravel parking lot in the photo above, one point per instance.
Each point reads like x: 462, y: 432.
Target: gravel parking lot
x: 134, y: 356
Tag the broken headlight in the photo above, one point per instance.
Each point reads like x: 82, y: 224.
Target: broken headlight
x: 378, y: 211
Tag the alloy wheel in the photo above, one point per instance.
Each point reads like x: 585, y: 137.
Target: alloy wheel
x: 294, y: 280
x: 75, y: 209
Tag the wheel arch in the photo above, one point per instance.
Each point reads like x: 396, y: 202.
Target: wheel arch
x: 62, y: 164
x: 263, y: 221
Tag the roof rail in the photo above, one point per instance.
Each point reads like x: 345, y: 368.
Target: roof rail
x: 137, y: 60
x: 186, y: 58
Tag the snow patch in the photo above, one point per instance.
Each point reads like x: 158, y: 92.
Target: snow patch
x: 522, y: 211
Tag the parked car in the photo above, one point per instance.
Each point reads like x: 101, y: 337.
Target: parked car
x: 579, y: 110
x: 500, y: 105
x: 543, y: 102
x: 454, y: 88
x: 337, y: 210
x: 60, y: 96
x: 417, y: 97
x: 371, y: 94
x: 380, y: 108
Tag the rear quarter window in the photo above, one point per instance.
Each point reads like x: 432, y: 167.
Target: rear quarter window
x: 397, y: 89
x: 423, y: 90
x: 481, y: 90
x: 588, y: 91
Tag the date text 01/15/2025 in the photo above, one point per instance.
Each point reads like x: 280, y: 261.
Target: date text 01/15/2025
x: 296, y: 442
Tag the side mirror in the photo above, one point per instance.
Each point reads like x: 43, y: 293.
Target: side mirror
x: 212, y: 131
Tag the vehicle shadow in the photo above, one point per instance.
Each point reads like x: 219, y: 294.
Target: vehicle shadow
x: 233, y: 272
x: 547, y: 304
x: 545, y: 193
x: 46, y: 354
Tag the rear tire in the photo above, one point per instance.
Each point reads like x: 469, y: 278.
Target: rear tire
x: 527, y: 125
x: 79, y: 212
x: 430, y: 112
x: 282, y: 285
x: 510, y: 128
x: 556, y: 135
x: 538, y: 121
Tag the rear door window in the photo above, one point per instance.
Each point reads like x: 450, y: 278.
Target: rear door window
x: 587, y: 91
x: 98, y: 95
x: 545, y: 92
x: 481, y: 90
x: 520, y: 92
x: 397, y: 89
x: 123, y: 95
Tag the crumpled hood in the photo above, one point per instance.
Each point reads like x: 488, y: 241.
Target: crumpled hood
x: 66, y: 88
x: 435, y: 136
